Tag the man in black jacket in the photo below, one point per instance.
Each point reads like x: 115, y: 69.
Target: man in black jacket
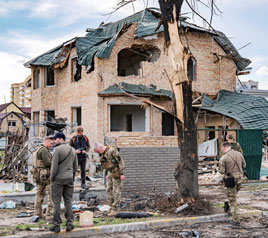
x: 81, y: 145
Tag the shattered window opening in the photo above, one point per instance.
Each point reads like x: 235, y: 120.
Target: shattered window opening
x: 167, y: 124
x: 127, y: 118
x: 191, y: 68
x: 76, y: 70
x: 36, y: 123
x: 50, y: 116
x: 36, y: 83
x: 129, y: 59
x: 49, y: 76
x: 77, y: 115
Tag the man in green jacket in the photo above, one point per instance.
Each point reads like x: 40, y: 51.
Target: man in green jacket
x: 42, y: 162
x: 64, y: 165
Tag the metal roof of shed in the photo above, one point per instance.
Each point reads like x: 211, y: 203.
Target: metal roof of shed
x: 251, y: 112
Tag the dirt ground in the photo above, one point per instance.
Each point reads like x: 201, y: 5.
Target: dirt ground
x: 250, y: 197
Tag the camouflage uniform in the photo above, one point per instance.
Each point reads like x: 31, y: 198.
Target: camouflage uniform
x: 43, y: 164
x: 233, y: 162
x: 114, y: 184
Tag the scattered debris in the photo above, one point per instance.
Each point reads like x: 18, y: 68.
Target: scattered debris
x: 8, y: 205
x: 181, y: 208
x: 104, y: 208
x: 132, y: 215
x: 24, y: 214
x: 34, y: 219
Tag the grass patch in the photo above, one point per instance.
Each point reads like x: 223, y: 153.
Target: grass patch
x: 255, y: 187
x: 219, y: 205
x: 30, y: 225
x: 247, y: 207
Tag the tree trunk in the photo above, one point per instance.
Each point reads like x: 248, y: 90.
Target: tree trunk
x: 186, y: 170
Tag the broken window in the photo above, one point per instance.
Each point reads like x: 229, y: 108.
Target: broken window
x: 36, y: 123
x: 49, y: 76
x: 130, y: 59
x: 191, y: 68
x: 167, y: 124
x: 77, y: 116
x: 36, y: 79
x: 210, y: 134
x: 127, y: 118
x: 50, y: 116
x: 12, y: 123
x: 76, y: 70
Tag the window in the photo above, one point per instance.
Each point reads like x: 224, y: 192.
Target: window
x: 167, y: 124
x: 36, y: 123
x: 191, y: 68
x: 50, y: 116
x: 210, y: 134
x: 36, y: 78
x: 77, y: 115
x: 11, y: 123
x: 127, y: 118
x: 49, y: 76
x: 130, y: 59
x: 76, y: 70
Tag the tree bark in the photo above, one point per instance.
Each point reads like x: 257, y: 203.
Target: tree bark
x: 186, y: 171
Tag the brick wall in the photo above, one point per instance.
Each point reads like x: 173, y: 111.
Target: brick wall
x: 149, y: 167
x: 150, y: 141
x: 211, y: 76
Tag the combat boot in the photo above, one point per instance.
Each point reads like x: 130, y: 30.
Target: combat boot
x: 55, y: 229
x: 69, y: 227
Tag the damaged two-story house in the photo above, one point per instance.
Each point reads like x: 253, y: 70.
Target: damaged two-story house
x: 89, y: 80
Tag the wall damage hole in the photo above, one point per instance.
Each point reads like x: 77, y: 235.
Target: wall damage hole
x: 129, y: 59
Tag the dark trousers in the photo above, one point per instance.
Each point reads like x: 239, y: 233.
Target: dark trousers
x: 82, y: 161
x: 62, y: 188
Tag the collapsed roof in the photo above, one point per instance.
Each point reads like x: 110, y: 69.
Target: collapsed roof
x: 251, y: 112
x: 99, y: 42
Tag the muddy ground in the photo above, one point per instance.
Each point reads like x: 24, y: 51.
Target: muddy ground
x: 250, y: 197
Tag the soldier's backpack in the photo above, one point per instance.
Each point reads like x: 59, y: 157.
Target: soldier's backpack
x: 35, y: 171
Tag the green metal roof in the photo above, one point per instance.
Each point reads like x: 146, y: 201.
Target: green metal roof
x: 251, y: 112
x: 140, y: 90
x: 99, y: 42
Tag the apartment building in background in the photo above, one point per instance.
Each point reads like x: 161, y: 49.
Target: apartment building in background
x: 20, y: 93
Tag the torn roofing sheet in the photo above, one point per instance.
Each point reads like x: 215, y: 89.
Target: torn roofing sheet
x: 100, y: 41
x: 251, y: 112
x: 136, y: 89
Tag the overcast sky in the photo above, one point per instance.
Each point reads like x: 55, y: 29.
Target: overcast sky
x: 31, y: 27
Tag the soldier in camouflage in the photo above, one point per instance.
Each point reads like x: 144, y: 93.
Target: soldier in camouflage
x: 232, y: 163
x: 234, y: 145
x: 43, y: 164
x: 114, y: 165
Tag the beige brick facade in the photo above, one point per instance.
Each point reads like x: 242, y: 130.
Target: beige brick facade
x: 211, y: 76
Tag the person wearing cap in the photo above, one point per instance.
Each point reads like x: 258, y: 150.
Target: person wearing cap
x: 81, y: 145
x: 234, y: 145
x: 42, y: 163
x: 64, y: 165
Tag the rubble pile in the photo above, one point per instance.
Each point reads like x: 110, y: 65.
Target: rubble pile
x: 165, y: 203
x: 14, y: 162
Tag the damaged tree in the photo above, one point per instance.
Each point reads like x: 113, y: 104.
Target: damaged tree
x: 186, y: 172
